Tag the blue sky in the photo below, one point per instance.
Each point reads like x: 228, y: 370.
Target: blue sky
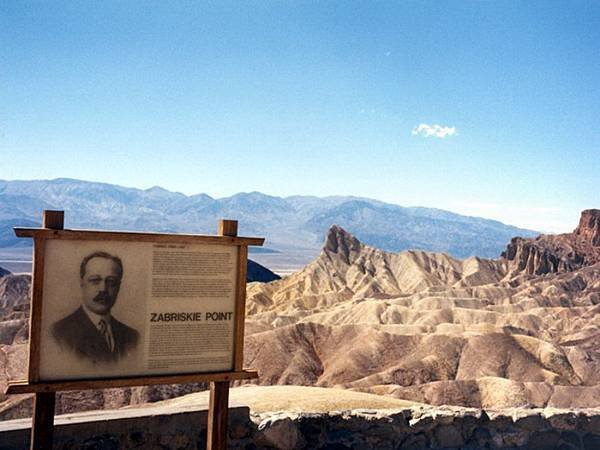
x: 316, y: 98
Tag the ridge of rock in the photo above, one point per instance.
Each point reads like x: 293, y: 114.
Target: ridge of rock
x: 348, y: 270
x: 589, y: 226
x: 14, y: 292
x: 339, y: 241
x: 557, y: 253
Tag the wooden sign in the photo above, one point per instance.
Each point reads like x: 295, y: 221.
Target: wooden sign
x: 114, y: 309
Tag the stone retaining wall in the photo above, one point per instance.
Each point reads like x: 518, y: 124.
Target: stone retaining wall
x: 436, y: 427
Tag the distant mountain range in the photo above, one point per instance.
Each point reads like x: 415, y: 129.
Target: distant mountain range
x: 292, y: 225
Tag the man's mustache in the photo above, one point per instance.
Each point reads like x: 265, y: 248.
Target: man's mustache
x: 101, y: 297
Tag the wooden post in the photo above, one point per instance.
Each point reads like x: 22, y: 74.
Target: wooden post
x: 228, y: 228
x: 240, y: 308
x: 218, y: 404
x: 53, y: 219
x: 42, y: 424
x: 218, y: 415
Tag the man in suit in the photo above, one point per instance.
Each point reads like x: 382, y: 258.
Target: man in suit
x: 91, y: 332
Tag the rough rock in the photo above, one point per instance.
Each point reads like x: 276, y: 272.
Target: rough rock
x: 170, y: 426
x: 14, y: 295
x: 589, y: 227
x: 557, y: 253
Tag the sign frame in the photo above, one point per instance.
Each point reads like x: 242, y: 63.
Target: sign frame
x: 52, y: 228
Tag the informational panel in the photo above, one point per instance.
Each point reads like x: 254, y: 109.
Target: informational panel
x: 126, y: 308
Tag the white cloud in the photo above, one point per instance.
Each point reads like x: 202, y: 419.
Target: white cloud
x: 438, y: 131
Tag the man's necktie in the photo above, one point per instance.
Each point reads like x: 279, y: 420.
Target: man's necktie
x: 103, y: 327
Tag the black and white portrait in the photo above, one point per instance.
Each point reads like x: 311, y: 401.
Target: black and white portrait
x: 94, y: 309
x: 91, y: 331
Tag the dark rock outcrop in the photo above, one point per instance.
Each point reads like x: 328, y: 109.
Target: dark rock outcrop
x: 589, y: 227
x: 557, y: 253
x: 14, y: 309
x: 536, y: 257
x: 3, y: 272
x: 14, y: 293
x: 339, y: 241
x: 258, y: 272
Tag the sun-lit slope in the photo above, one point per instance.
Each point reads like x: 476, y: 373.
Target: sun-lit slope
x: 360, y: 356
x: 347, y: 270
x: 429, y: 327
x: 495, y: 392
x: 294, y: 399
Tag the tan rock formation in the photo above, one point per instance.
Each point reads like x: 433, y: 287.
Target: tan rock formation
x: 431, y: 328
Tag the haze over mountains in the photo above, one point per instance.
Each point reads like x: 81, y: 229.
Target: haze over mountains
x: 294, y: 226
